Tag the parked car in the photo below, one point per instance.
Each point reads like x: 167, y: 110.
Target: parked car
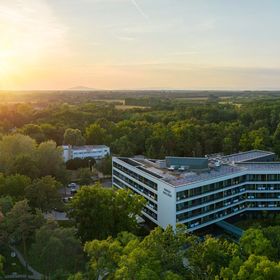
x: 73, y: 185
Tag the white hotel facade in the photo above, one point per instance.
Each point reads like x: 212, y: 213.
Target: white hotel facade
x: 198, y: 192
x: 89, y: 151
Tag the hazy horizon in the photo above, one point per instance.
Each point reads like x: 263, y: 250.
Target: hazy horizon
x: 139, y: 44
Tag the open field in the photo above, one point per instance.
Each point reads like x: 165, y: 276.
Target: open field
x: 128, y: 107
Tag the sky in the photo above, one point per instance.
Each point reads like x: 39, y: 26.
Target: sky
x: 140, y: 44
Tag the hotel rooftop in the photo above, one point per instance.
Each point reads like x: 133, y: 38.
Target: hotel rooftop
x: 178, y: 171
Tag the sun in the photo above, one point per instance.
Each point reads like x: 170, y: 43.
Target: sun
x: 30, y: 34
x: 6, y: 60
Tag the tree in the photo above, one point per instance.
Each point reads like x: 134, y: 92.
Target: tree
x: 95, y: 134
x: 14, y: 186
x: 22, y: 223
x: 25, y: 165
x: 43, y: 194
x: 158, y: 256
x: 255, y: 139
x: 56, y: 249
x: 12, y: 146
x: 77, y: 276
x: 276, y: 140
x: 99, y: 212
x: 105, y: 165
x: 20, y: 154
x: 2, y: 265
x: 50, y: 161
x: 255, y: 267
x: 52, y: 132
x: 253, y: 241
x: 126, y: 257
x: 124, y: 146
x: 73, y: 137
x: 34, y: 131
x: 84, y: 176
x: 6, y: 204
x: 272, y: 233
x: 76, y: 163
x: 104, y: 256
x: 208, y: 257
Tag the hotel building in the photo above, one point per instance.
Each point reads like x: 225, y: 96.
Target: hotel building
x: 198, y: 192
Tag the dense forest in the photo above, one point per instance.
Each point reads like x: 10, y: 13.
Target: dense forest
x: 167, y: 127
x: 102, y: 239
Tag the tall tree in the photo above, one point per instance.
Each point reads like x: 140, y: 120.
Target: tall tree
x: 73, y: 137
x: 95, y: 134
x: 12, y: 146
x: 159, y: 256
x: 22, y: 223
x: 2, y: 266
x: 14, y: 186
x: 56, y: 249
x: 99, y: 212
x: 25, y: 165
x: 43, y: 194
x: 34, y: 131
x: 6, y: 204
x: 50, y: 161
x: 253, y: 241
x: 255, y: 267
x: 208, y: 257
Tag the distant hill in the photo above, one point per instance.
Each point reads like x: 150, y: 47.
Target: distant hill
x: 81, y: 88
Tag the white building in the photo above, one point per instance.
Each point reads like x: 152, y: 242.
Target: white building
x: 96, y: 152
x: 198, y: 192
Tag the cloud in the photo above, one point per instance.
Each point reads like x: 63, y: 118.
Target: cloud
x: 139, y: 9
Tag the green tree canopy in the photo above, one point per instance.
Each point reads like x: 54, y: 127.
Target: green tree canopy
x: 14, y: 185
x: 43, y: 194
x: 208, y: 257
x: 6, y: 204
x: 95, y: 134
x: 73, y: 137
x: 253, y: 241
x: 99, y: 212
x: 21, y: 223
x: 56, y: 249
x: 12, y: 146
x: 158, y: 256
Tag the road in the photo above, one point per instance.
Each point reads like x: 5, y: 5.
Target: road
x: 35, y: 274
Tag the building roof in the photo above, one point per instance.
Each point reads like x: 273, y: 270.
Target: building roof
x: 227, y: 165
x: 247, y: 156
x: 85, y: 147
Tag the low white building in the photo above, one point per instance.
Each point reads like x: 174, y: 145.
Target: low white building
x: 95, y: 151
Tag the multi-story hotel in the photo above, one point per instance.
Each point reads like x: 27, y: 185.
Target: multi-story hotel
x: 201, y: 191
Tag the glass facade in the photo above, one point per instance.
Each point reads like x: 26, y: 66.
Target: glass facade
x: 195, y: 211
x: 136, y: 176
x: 120, y: 180
x: 207, y: 203
x: 210, y: 188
